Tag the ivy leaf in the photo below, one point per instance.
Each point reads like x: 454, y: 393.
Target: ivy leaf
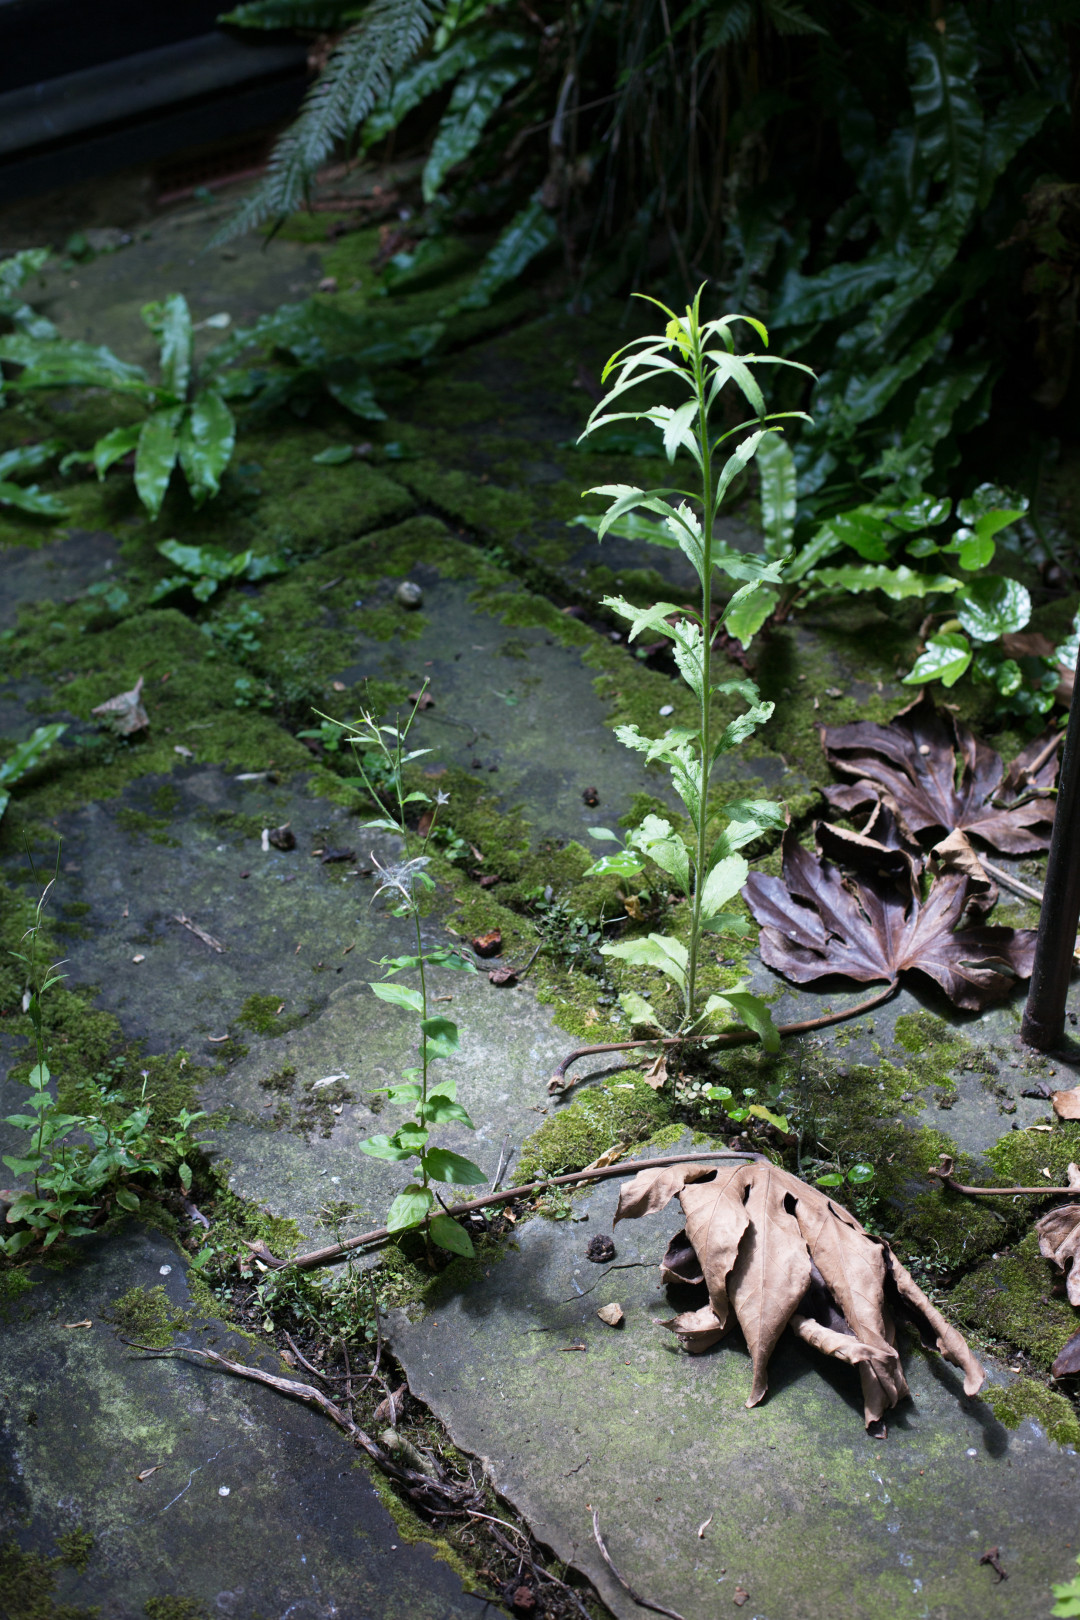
x: 947, y: 656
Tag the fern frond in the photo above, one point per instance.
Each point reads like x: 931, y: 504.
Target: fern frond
x: 358, y: 75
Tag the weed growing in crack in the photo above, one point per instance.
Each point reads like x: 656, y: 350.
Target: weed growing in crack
x: 81, y: 1167
x: 699, y: 358
x: 381, y: 755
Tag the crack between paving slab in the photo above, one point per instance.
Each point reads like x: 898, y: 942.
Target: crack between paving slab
x: 620, y: 1265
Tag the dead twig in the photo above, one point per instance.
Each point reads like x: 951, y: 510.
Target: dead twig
x: 302, y: 1359
x: 382, y: 1234
x: 421, y: 1488
x: 200, y: 933
x: 644, y: 1603
x: 943, y: 1172
x: 1007, y: 881
x: 736, y: 1037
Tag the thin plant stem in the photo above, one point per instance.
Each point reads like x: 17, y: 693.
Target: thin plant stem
x: 706, y: 667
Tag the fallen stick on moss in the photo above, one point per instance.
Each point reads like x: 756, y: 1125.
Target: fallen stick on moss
x: 735, y: 1037
x: 418, y: 1486
x: 943, y: 1172
x: 382, y: 1234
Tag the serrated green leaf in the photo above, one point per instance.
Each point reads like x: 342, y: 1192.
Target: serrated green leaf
x: 449, y: 1235
x: 442, y: 1165
x: 747, y: 611
x: 409, y: 1207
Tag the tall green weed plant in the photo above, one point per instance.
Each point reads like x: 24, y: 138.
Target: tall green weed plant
x: 697, y: 360
x: 382, y: 754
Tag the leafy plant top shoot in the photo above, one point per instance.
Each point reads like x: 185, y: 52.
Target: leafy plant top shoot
x: 699, y: 358
x: 382, y: 755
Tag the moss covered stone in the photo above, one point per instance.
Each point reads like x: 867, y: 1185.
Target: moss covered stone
x: 147, y: 1315
x: 1010, y: 1299
x: 1054, y: 1414
x: 27, y: 1587
x: 624, y: 1111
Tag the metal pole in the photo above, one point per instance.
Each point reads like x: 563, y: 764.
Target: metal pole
x: 1044, y: 1016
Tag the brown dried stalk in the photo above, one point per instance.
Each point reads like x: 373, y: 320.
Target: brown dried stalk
x: 382, y: 1234
x: 644, y: 1603
x: 735, y: 1037
x: 943, y: 1172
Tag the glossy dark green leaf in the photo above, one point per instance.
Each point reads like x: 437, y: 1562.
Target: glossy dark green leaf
x: 947, y: 656
x: 114, y: 445
x: 528, y: 234
x: 155, y: 455
x: 28, y: 498
x: 993, y: 606
x: 778, y: 493
x: 207, y: 440
x: 170, y: 322
x: 476, y: 97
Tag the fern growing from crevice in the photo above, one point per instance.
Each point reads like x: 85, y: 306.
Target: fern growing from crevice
x: 358, y: 75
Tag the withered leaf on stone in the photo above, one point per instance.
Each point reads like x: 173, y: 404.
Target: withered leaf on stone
x: 773, y: 1253
x: 1059, y: 1238
x: 869, y: 921
x: 936, y: 777
x: 124, y: 712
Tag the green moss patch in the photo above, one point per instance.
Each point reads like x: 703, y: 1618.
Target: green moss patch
x: 146, y: 1314
x: 1010, y: 1300
x: 27, y: 1582
x: 1054, y: 1414
x: 625, y: 1110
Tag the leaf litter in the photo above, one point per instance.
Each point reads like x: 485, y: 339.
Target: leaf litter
x: 936, y: 777
x: 774, y: 1253
x: 855, y: 908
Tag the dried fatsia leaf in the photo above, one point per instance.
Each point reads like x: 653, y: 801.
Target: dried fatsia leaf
x: 937, y: 777
x: 1059, y: 1238
x: 775, y: 1252
x: 855, y: 908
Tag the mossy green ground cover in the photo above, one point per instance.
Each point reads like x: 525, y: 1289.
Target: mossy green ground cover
x: 469, y: 489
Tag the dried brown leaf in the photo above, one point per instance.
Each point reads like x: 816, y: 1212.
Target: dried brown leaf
x: 612, y: 1314
x: 1059, y: 1241
x: 1066, y: 1103
x: 124, y: 712
x: 1067, y: 1364
x: 855, y: 908
x: 775, y: 1252
x: 656, y: 1074
x: 937, y: 777
x: 488, y: 944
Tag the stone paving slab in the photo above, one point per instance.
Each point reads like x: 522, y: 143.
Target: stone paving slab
x: 258, y: 1506
x: 813, y: 1518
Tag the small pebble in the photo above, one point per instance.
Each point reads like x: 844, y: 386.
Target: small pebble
x: 223, y: 1490
x: 668, y: 708
x: 163, y: 1271
x: 408, y: 594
